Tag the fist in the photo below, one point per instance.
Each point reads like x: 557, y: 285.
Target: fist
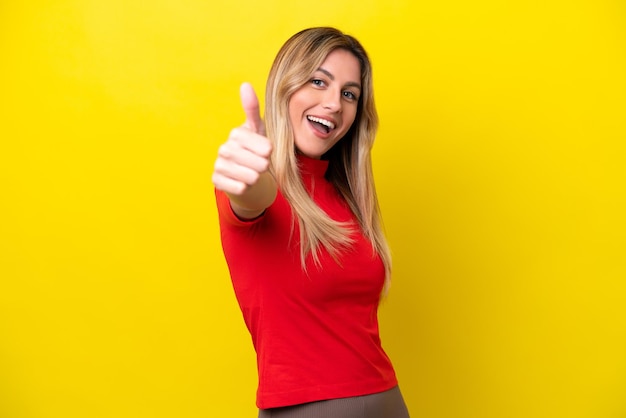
x: 246, y: 153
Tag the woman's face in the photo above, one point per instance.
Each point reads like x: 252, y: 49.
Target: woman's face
x: 322, y: 111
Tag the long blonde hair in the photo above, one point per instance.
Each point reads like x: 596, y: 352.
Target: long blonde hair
x: 350, y: 165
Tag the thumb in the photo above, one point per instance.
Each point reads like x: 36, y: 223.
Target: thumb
x: 250, y: 104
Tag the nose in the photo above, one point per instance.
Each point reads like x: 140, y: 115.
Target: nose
x: 332, y: 100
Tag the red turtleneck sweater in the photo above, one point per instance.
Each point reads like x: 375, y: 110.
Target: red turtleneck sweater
x: 316, y: 332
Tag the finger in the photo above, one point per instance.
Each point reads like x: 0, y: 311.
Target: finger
x: 253, y: 142
x: 229, y: 185
x: 237, y: 172
x: 232, y: 153
x: 250, y: 104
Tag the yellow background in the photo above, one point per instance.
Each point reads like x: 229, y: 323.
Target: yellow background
x: 500, y: 168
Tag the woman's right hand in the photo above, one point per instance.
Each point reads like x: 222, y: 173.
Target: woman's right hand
x: 243, y: 161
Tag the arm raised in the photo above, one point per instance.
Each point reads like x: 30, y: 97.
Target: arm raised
x: 241, y: 169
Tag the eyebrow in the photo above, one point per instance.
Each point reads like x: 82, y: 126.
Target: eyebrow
x: 332, y: 77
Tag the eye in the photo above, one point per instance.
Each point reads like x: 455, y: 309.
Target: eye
x: 349, y: 95
x: 317, y: 82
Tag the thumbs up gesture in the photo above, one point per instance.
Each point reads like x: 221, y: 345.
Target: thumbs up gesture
x: 250, y: 104
x: 243, y: 161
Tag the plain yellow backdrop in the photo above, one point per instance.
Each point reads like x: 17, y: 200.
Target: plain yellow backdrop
x: 499, y: 164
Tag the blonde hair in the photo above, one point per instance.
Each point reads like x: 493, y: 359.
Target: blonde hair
x: 350, y: 165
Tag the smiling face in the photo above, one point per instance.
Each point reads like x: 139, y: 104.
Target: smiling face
x: 322, y: 111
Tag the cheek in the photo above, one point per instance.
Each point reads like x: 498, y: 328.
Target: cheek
x: 349, y: 119
x: 295, y: 109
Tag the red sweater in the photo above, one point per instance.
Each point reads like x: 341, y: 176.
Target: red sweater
x: 316, y: 335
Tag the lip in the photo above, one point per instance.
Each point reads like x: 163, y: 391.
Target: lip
x: 327, y: 118
x: 317, y: 133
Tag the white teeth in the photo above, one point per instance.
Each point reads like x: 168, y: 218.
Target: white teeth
x: 324, y: 122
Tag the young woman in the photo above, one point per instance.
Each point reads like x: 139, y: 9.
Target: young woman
x: 302, y: 235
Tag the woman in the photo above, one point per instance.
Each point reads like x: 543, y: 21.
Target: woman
x: 302, y: 236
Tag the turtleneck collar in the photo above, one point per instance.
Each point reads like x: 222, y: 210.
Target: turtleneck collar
x: 311, y: 166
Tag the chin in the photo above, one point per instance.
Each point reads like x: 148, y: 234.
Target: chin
x: 311, y: 153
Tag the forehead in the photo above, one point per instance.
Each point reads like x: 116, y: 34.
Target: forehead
x: 343, y: 65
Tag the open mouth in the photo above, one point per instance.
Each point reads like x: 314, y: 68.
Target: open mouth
x: 321, y: 125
